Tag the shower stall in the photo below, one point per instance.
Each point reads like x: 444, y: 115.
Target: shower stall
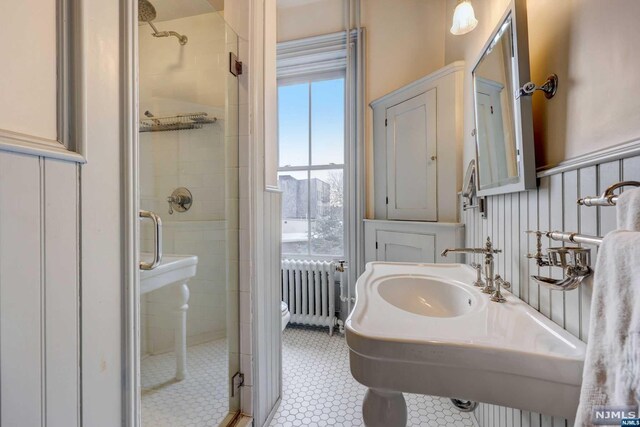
x: 188, y: 186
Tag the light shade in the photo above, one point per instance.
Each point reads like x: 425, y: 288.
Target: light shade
x: 464, y: 19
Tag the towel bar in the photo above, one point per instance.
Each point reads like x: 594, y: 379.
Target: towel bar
x: 563, y: 236
x: 608, y: 198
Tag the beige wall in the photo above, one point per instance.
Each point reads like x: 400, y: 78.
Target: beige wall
x: 404, y: 41
x: 407, y: 39
x: 311, y: 18
x: 592, y: 46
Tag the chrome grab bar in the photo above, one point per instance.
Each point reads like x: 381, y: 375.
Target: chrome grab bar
x: 157, y: 240
x: 608, y: 198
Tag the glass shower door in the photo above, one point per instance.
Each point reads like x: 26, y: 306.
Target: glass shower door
x: 188, y: 169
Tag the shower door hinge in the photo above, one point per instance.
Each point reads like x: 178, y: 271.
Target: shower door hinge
x: 237, y: 381
x: 235, y: 66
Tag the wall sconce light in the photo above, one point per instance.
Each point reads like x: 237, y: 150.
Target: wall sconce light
x: 464, y: 18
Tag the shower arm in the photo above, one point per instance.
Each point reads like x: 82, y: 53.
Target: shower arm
x: 182, y: 39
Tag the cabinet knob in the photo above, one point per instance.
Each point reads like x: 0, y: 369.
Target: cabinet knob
x: 433, y: 157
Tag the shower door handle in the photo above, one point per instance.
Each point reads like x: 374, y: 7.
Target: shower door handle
x: 157, y: 240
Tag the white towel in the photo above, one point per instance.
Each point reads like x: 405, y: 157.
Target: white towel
x: 611, y: 374
x: 628, y: 210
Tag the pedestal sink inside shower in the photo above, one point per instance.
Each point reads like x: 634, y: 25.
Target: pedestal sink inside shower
x: 423, y: 328
x: 174, y: 271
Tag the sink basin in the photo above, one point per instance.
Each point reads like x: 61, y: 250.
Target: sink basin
x: 423, y: 328
x: 171, y: 270
x: 174, y: 271
x: 427, y: 296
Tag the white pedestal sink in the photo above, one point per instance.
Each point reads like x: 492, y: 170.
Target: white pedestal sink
x: 423, y: 328
x: 174, y: 271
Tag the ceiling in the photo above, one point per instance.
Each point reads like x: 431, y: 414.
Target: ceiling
x: 174, y: 9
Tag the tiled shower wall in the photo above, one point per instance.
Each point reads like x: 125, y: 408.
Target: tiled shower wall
x: 551, y: 207
x: 206, y: 319
x: 179, y: 79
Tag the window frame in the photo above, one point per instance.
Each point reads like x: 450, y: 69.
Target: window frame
x: 309, y: 79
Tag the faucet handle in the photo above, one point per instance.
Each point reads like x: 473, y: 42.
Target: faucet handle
x: 478, y: 282
x: 180, y: 199
x: 503, y: 283
x: 488, y: 247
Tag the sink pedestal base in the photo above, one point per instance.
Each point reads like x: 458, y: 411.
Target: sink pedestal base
x: 384, y: 408
x: 173, y: 273
x: 180, y: 330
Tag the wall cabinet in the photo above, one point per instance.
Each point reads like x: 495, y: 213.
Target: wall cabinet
x: 396, y: 246
x: 411, y: 158
x: 417, y: 140
x: 411, y: 241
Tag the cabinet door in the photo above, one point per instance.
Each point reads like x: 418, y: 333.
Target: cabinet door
x: 411, y: 159
x: 393, y: 246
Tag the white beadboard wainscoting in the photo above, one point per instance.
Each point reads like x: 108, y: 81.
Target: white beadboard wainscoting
x: 39, y: 291
x: 551, y: 207
x: 266, y: 306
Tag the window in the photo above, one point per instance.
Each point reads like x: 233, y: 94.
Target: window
x: 311, y: 173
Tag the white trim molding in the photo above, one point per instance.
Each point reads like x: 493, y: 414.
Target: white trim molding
x: 70, y: 143
x: 419, y: 84
x: 609, y: 154
x: 131, y: 404
x: 314, y: 55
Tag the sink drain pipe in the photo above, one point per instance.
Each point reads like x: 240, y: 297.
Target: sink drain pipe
x: 464, y: 405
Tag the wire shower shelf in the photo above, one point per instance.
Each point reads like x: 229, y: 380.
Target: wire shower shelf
x: 187, y: 121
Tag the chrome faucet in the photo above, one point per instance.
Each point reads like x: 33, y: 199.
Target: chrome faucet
x: 493, y: 283
x: 181, y: 200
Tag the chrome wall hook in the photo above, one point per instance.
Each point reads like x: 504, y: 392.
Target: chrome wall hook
x: 550, y: 87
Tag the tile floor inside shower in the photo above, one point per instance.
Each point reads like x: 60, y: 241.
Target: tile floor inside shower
x: 318, y: 389
x: 200, y: 400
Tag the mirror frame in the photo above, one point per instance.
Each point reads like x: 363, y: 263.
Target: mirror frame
x: 523, y: 112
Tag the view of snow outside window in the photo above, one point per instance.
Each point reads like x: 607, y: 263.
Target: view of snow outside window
x: 311, y: 167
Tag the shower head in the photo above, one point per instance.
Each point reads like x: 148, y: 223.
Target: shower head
x: 147, y: 13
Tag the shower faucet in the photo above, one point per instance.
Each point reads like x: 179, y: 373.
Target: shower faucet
x: 181, y: 200
x: 493, y: 283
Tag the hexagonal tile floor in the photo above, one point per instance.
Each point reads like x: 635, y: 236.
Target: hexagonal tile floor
x: 320, y: 391
x: 201, y: 399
